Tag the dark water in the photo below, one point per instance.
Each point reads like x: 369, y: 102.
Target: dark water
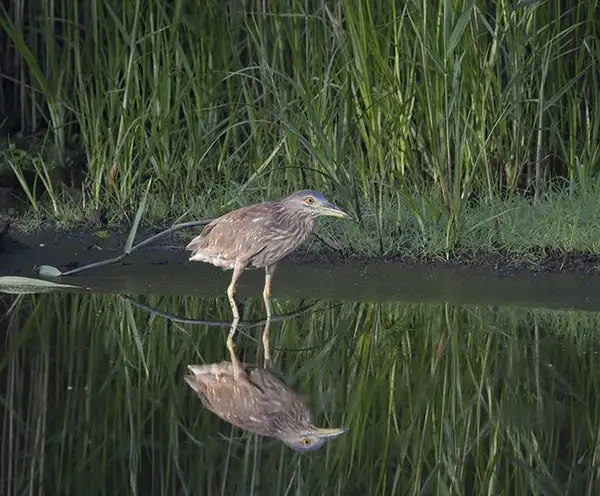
x: 439, y: 398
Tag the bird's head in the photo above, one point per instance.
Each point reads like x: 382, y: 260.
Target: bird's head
x: 309, y: 438
x: 313, y: 203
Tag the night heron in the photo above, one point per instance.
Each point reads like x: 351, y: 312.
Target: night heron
x: 259, y: 235
x: 258, y: 401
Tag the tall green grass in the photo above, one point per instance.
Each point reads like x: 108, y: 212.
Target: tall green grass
x: 364, y: 98
x: 439, y: 399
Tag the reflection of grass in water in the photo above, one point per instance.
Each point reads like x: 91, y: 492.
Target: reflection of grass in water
x: 439, y: 400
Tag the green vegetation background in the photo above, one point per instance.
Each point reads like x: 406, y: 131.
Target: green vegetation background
x: 442, y: 127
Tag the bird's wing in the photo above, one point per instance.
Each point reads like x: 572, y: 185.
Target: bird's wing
x: 240, y: 232
x: 198, y: 240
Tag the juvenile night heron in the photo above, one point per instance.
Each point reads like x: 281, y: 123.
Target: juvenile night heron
x: 259, y: 235
x: 258, y: 401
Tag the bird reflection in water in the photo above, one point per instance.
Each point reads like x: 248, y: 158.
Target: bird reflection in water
x: 259, y: 401
x: 253, y: 398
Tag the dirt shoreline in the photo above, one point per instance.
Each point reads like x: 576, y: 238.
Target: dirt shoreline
x: 500, y: 261
x: 552, y: 280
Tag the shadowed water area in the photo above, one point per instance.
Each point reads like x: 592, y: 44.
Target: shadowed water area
x: 438, y: 397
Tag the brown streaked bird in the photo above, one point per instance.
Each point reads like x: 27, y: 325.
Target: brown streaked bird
x: 260, y: 402
x: 259, y: 235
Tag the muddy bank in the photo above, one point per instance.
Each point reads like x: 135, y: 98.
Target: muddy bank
x: 12, y: 242
x: 552, y: 280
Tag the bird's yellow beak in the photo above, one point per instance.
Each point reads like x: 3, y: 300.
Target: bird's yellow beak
x: 332, y: 210
x: 330, y: 433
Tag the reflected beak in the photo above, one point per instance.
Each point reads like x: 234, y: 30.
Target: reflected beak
x: 331, y: 433
x: 332, y: 211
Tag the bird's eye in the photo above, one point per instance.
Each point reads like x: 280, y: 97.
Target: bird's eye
x: 309, y: 200
x: 306, y: 441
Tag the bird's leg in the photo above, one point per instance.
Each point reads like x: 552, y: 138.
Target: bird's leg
x: 267, y: 299
x: 237, y: 271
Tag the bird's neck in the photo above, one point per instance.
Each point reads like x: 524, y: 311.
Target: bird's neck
x: 290, y: 218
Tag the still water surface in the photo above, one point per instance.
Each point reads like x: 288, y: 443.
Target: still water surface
x: 438, y: 399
